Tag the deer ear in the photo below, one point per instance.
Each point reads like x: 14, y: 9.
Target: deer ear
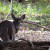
x: 22, y: 17
x: 13, y: 16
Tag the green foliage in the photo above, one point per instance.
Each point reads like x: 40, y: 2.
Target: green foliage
x: 34, y: 11
x: 44, y: 19
x: 43, y: 7
x: 37, y: 8
x: 44, y: 0
x: 26, y: 0
x: 4, y: 9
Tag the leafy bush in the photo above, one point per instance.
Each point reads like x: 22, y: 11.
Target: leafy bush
x: 33, y: 11
x: 44, y: 19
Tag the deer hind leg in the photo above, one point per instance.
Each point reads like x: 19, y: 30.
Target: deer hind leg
x: 10, y: 34
x: 13, y: 34
x: 5, y: 37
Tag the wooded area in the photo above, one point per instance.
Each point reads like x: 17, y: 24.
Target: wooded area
x: 33, y: 18
x: 27, y: 0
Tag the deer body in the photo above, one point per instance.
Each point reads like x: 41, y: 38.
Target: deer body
x: 8, y: 29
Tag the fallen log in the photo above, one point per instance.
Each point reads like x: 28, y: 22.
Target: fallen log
x: 17, y: 45
x: 41, y: 43
x: 25, y: 45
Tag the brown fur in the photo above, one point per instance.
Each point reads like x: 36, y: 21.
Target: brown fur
x: 8, y: 29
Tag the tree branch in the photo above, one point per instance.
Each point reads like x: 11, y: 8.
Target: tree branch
x: 10, y: 10
x: 35, y: 23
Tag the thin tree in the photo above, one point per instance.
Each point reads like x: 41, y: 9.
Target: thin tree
x: 10, y: 10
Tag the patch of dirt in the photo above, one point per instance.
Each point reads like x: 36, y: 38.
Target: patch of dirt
x: 33, y: 35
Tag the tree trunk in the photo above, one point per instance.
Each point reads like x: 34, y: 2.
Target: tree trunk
x: 48, y: 0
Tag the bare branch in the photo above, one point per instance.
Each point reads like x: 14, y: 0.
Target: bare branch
x: 35, y: 23
x: 10, y: 10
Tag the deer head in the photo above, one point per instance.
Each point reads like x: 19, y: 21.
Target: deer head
x: 16, y: 21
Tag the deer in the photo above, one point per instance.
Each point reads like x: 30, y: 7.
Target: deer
x: 8, y: 28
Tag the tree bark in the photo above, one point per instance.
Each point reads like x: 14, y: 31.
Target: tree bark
x: 10, y: 10
x: 24, y: 45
